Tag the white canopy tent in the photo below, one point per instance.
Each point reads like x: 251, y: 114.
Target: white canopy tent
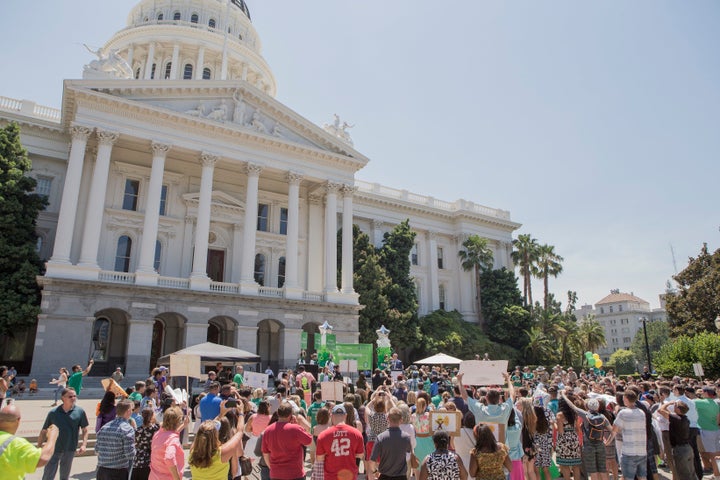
x: 211, y: 353
x: 439, y: 359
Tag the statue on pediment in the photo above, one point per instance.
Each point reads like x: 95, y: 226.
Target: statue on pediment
x: 109, y: 64
x: 339, y: 130
x: 240, y: 107
x: 256, y: 123
x: 196, y: 112
x: 277, y: 130
x: 218, y: 113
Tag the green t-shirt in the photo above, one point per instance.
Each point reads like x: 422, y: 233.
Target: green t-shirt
x: 707, y: 410
x: 436, y: 400
x: 19, y: 459
x: 238, y: 378
x: 312, y: 412
x: 75, y: 382
x: 135, y: 396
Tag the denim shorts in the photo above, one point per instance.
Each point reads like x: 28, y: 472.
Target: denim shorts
x: 633, y: 465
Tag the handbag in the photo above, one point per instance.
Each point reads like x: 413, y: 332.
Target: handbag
x: 414, y: 461
x: 246, y: 466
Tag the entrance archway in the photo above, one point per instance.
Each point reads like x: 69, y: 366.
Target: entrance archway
x: 268, y: 342
x: 221, y: 330
x: 168, y: 336
x: 313, y: 331
x: 108, y: 344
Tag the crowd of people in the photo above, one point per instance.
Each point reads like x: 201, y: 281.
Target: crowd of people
x: 586, y: 424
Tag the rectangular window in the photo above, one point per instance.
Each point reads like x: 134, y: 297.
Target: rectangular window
x: 611, y: 309
x: 414, y: 255
x: 619, y: 308
x: 283, y: 220
x: 440, y: 257
x: 43, y: 186
x: 262, y: 221
x: 441, y: 296
x: 130, y: 198
x: 602, y: 310
x: 626, y: 339
x: 163, y: 199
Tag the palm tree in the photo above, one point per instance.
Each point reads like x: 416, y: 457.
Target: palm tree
x: 547, y: 265
x: 539, y: 348
x: 524, y: 256
x: 591, y: 334
x: 478, y: 257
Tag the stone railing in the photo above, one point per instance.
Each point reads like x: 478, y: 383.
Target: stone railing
x: 271, y: 292
x: 404, y: 195
x: 313, y: 296
x: 116, y: 277
x: 173, y: 282
x: 31, y: 109
x: 223, y: 287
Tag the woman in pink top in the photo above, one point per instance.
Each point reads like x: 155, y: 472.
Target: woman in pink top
x: 260, y: 420
x: 167, y: 460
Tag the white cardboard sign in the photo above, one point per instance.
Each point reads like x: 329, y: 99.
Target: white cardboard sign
x: 331, y: 391
x: 255, y: 379
x: 185, y: 366
x: 483, y: 372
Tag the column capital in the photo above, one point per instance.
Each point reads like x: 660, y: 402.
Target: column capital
x: 315, y: 199
x: 348, y: 190
x: 332, y: 188
x: 78, y: 132
x: 160, y: 149
x: 294, y: 178
x: 253, y: 169
x: 106, y: 137
x: 208, y: 159
x: 432, y: 235
x: 377, y: 224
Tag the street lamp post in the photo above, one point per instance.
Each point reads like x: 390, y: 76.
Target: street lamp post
x: 647, y: 345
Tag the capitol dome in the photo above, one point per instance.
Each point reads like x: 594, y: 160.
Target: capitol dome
x: 193, y: 40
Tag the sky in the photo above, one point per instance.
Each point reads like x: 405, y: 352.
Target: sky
x: 596, y: 124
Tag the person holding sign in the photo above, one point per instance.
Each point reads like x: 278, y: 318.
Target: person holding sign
x: 494, y: 411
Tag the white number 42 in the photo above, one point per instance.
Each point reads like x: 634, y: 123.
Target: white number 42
x: 340, y: 447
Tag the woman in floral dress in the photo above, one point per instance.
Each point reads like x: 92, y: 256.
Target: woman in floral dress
x: 543, y: 440
x: 143, y: 442
x: 567, y: 451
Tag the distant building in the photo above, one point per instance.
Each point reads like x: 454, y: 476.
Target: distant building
x: 621, y: 316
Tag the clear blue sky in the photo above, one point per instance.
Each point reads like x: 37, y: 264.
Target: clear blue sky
x: 597, y: 124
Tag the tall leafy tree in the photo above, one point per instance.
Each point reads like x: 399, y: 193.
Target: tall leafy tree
x: 524, y: 255
x: 478, y: 257
x: 591, y: 335
x: 547, y: 264
x: 658, y: 335
x: 696, y: 304
x: 19, y: 262
x: 502, y: 308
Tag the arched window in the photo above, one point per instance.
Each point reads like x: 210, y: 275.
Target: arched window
x: 260, y: 269
x: 187, y: 72
x: 168, y: 69
x: 211, y: 23
x: 158, y: 254
x: 194, y: 18
x: 176, y: 16
x: 160, y: 17
x: 101, y: 339
x: 122, y: 254
x: 281, y: 272
x: 207, y: 74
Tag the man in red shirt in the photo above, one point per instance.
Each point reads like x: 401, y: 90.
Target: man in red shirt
x: 341, y: 447
x: 282, y: 445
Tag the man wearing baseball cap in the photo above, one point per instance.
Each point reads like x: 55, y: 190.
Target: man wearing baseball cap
x: 340, y: 448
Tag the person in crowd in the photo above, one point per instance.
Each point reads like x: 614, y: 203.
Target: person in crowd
x: 159, y: 379
x: 494, y: 411
x: 610, y: 448
x: 388, y: 453
x: 283, y: 444
x: 543, y: 440
x: 150, y: 400
x: 630, y: 421
x: 322, y: 424
x: 568, y: 453
x: 708, y: 411
x: 529, y: 428
x: 60, y: 383
x: 139, y: 391
x: 75, y: 381
x: 210, y: 459
x: 117, y: 375
x: 489, y: 456
x: 407, y: 427
x: 210, y: 404
x: 70, y: 420
x: 106, y: 410
x: 594, y: 426
x: 423, y: 431
x: 239, y: 378
x: 143, y: 442
x: 19, y: 457
x: 679, y: 438
x: 115, y: 447
x: 681, y: 392
x: 340, y: 448
x: 167, y: 458
x: 442, y: 464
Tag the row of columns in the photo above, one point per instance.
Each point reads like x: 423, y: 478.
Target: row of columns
x: 199, y: 280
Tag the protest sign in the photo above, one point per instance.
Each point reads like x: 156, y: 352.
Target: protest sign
x: 483, y: 372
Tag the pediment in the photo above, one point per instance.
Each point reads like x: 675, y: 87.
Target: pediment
x: 219, y: 201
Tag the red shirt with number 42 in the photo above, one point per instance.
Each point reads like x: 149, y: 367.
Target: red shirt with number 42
x: 340, y: 444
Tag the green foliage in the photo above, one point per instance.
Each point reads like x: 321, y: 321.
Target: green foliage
x: 658, y: 335
x: 476, y: 257
x: 624, y: 362
x: 524, y: 255
x: 591, y: 335
x: 447, y: 332
x: 19, y: 262
x: 677, y: 357
x: 547, y: 264
x: 696, y: 304
x: 504, y: 316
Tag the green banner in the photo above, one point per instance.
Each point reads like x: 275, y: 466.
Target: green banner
x: 362, y: 352
x: 330, y: 341
x: 303, y: 341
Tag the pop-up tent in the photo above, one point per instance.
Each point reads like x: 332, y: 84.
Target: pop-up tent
x: 211, y: 353
x: 439, y: 359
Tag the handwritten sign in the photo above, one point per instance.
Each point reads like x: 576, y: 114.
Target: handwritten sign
x: 185, y: 366
x: 483, y: 372
x: 255, y: 379
x: 331, y: 391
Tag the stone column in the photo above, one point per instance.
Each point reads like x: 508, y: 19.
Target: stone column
x: 314, y: 245
x: 247, y: 281
x: 96, y: 204
x: 150, y: 60
x: 195, y: 333
x: 200, y: 62
x: 330, y: 286
x: 139, y: 343
x: 433, y: 270
x: 246, y: 338
x: 187, y: 244
x: 292, y: 289
x: 145, y: 273
x: 377, y: 233
x: 198, y: 278
x: 175, y: 59
x: 289, y: 345
x: 69, y: 203
x: 244, y: 72
x: 236, y: 253
x: 130, y: 55
x: 347, y: 240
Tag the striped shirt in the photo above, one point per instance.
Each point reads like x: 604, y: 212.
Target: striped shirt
x: 632, y: 425
x: 115, y: 445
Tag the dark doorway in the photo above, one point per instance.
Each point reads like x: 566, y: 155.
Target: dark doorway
x: 216, y: 265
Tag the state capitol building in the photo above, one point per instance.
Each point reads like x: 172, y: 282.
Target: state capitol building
x: 186, y: 204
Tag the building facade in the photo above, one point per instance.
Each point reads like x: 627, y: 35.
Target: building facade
x: 622, y: 316
x: 187, y: 205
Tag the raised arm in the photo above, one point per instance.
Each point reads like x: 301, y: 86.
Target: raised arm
x: 87, y: 369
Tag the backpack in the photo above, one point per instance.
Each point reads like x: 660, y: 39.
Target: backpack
x: 597, y: 427
x: 304, y: 383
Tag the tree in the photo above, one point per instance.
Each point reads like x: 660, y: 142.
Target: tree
x: 547, y: 265
x: 624, y: 362
x: 695, y: 306
x: 524, y: 256
x: 591, y: 335
x: 539, y: 348
x: 658, y: 335
x: 19, y: 262
x: 477, y: 257
x: 502, y: 308
x: 677, y: 357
